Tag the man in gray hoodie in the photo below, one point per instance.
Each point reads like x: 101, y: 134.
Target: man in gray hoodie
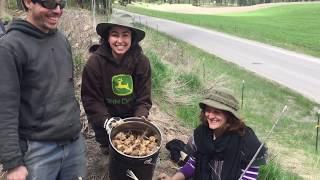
x: 39, y: 114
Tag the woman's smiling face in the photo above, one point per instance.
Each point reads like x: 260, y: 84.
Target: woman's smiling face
x: 216, y: 118
x: 119, y: 40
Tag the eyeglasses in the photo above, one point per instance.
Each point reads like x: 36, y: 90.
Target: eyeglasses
x: 51, y: 4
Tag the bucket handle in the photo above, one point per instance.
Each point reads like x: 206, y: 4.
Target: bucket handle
x: 133, y: 118
x: 108, y: 123
x: 149, y: 161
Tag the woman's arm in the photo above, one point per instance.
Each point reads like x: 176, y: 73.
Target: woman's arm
x: 250, y: 146
x: 251, y: 174
x: 92, y: 95
x: 188, y: 169
x: 143, y: 88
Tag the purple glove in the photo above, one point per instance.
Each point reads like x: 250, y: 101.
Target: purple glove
x: 188, y: 169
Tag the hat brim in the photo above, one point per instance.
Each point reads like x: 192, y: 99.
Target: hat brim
x: 103, y: 28
x: 219, y: 106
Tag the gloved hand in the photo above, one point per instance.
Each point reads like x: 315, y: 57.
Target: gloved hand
x: 116, y: 121
x: 112, y: 122
x: 144, y: 118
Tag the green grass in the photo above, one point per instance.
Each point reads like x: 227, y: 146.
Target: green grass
x: 273, y: 171
x: 295, y: 27
x: 159, y: 76
x: 197, y: 72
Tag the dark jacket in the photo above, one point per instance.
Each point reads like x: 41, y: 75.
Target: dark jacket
x: 115, y: 88
x: 233, y: 150
x: 37, y: 100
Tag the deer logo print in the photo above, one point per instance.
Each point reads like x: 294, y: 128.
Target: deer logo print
x: 122, y: 84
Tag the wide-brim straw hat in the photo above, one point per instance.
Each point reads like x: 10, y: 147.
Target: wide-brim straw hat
x: 222, y: 100
x: 120, y: 19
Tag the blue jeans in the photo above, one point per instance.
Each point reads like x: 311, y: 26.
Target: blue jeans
x: 56, y: 161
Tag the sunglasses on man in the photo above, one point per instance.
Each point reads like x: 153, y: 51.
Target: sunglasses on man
x: 51, y: 4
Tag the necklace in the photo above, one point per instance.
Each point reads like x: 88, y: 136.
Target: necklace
x: 214, y: 136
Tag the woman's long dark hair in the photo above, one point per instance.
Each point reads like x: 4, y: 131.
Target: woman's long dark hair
x: 233, y: 124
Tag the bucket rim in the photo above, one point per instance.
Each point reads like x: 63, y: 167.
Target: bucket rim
x: 134, y: 119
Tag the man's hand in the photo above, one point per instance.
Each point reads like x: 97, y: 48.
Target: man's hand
x: 17, y: 173
x: 144, y: 118
x: 163, y: 176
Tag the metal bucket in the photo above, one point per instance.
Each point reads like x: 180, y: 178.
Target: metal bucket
x: 126, y: 167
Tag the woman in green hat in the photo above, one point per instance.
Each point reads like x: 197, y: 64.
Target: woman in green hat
x: 222, y: 145
x: 116, y: 80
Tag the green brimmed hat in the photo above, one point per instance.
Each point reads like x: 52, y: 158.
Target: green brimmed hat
x: 120, y: 19
x: 223, y: 100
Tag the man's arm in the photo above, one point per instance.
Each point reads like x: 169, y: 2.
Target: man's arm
x: 10, y: 153
x: 176, y: 176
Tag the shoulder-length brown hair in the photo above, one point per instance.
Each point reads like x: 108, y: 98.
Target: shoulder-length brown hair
x: 233, y: 124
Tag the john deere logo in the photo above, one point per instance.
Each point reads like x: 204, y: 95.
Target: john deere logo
x: 122, y: 84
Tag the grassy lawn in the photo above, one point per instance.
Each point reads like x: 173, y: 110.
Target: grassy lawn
x: 295, y: 27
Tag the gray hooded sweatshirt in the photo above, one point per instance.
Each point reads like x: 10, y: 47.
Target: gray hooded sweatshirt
x: 37, y: 100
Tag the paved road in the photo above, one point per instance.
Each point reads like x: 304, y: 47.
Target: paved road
x: 298, y: 72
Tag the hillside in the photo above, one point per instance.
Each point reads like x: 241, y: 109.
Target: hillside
x: 170, y: 126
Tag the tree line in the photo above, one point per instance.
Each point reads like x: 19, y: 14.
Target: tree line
x: 101, y: 6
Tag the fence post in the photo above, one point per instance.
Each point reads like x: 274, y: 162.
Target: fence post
x: 317, y: 126
x: 242, y: 93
